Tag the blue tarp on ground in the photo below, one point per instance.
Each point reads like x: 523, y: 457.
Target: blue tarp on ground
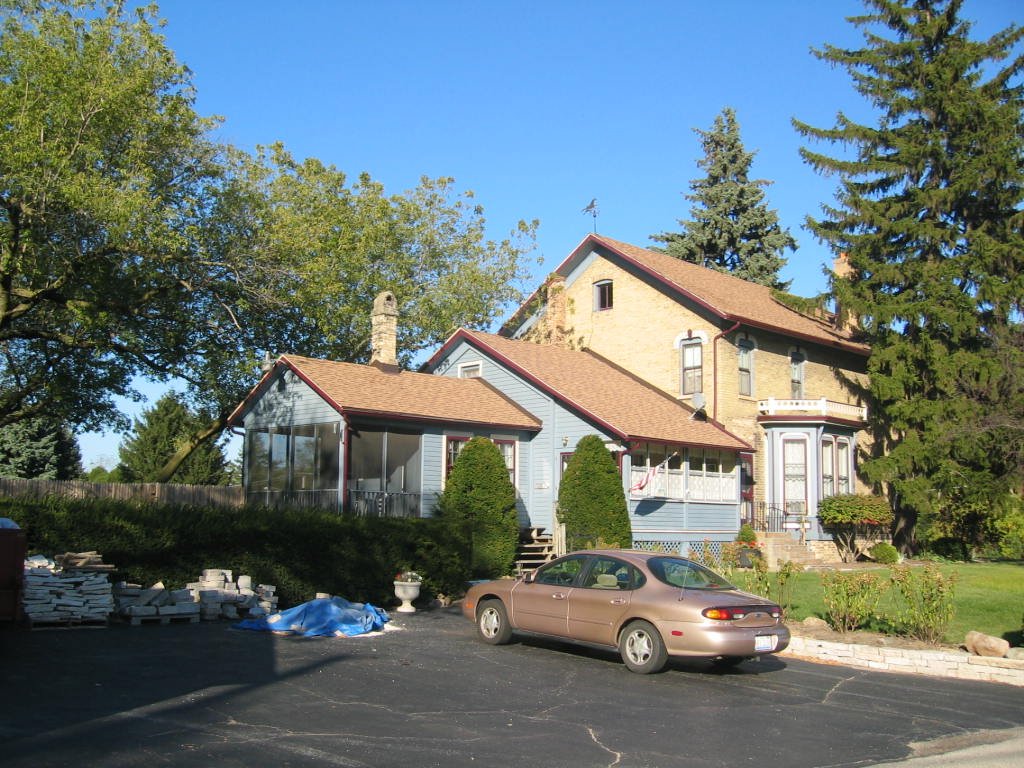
x: 323, y: 617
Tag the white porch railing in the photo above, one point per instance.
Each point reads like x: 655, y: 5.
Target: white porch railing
x: 820, y: 407
x: 671, y: 484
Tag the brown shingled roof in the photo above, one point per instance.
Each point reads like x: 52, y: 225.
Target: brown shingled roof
x: 729, y: 297
x: 367, y: 390
x: 598, y: 389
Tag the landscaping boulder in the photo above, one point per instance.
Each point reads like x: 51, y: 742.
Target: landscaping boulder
x: 981, y: 644
x: 1017, y: 654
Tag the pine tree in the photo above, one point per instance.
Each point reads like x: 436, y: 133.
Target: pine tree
x: 732, y: 229
x: 928, y: 213
x: 157, y: 435
x: 39, y: 449
x: 591, y: 501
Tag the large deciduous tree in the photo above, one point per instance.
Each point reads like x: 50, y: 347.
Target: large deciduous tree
x: 928, y: 212
x: 133, y: 244
x: 732, y: 229
x: 103, y: 170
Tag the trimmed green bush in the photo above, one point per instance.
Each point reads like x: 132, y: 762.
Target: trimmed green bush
x: 302, y: 552
x: 849, y: 516
x: 885, y: 553
x: 747, y: 534
x: 591, y: 501
x: 479, y: 506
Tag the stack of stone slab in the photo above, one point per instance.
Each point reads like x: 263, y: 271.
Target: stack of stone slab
x: 156, y: 605
x: 220, y: 596
x: 71, y: 590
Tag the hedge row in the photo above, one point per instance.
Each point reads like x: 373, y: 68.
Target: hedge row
x: 302, y: 552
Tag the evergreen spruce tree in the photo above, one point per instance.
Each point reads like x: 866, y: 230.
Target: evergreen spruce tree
x: 479, y: 503
x: 158, y: 435
x: 732, y: 229
x: 39, y: 449
x: 928, y: 212
x: 591, y: 501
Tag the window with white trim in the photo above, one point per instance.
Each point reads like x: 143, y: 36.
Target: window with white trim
x: 507, y: 447
x: 836, y: 466
x: 692, y: 373
x: 453, y: 447
x: 794, y: 480
x: 470, y: 370
x: 745, y: 355
x: 797, y: 363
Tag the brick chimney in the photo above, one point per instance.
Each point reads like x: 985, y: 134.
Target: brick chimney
x: 842, y: 270
x: 554, y: 312
x: 384, y: 329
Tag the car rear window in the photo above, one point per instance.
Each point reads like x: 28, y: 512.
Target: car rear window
x: 686, y: 574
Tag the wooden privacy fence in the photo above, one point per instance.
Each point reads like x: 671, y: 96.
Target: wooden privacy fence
x: 159, y: 493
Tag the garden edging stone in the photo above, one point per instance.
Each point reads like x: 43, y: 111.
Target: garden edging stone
x: 941, y: 662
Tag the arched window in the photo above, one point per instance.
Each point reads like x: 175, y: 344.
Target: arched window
x: 602, y: 295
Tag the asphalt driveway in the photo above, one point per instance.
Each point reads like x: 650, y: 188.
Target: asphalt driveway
x: 429, y: 694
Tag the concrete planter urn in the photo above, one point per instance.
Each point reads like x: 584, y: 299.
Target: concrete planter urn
x: 407, y: 589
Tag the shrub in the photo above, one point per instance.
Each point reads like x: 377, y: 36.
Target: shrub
x: 479, y: 506
x: 885, y: 553
x: 850, y: 598
x: 927, y: 596
x: 591, y: 501
x: 302, y: 552
x: 850, y: 515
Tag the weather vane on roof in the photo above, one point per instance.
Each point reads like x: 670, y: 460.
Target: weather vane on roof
x: 592, y: 210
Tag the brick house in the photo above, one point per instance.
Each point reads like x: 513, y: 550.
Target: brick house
x: 788, y: 384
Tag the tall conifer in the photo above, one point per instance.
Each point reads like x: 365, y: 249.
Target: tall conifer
x: 928, y: 212
x: 732, y: 229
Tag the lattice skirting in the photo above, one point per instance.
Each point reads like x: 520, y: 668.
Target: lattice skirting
x: 701, y: 550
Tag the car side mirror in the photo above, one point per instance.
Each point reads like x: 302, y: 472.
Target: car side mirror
x: 528, y: 578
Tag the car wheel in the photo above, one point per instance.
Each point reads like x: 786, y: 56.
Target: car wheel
x: 492, y: 623
x: 642, y: 649
x: 728, y: 662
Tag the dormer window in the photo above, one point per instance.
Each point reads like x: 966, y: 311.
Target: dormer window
x: 602, y: 295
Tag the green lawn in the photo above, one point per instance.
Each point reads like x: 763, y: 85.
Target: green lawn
x: 989, y: 598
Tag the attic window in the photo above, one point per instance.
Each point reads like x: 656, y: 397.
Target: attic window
x: 602, y: 295
x: 470, y: 370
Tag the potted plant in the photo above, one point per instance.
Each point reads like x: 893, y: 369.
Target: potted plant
x: 749, y: 547
x: 407, y: 589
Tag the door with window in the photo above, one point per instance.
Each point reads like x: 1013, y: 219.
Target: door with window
x: 794, y: 481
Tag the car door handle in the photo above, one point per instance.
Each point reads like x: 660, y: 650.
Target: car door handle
x: 559, y: 595
x: 618, y: 601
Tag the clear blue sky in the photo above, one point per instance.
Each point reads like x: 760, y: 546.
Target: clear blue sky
x: 537, y: 107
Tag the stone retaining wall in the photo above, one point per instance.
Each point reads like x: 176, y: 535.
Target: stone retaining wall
x: 938, y: 663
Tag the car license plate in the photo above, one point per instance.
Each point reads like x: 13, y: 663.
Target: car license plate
x: 765, y: 642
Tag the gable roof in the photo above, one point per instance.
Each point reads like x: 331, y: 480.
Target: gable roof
x: 726, y: 296
x: 353, y: 389
x: 598, y: 390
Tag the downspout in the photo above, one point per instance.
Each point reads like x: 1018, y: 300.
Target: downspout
x: 714, y: 368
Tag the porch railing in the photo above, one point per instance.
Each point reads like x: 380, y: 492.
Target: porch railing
x: 384, y: 503
x: 819, y: 407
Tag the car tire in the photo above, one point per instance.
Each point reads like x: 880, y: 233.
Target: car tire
x: 492, y: 623
x: 642, y: 649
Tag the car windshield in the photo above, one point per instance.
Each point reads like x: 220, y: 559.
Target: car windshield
x: 677, y: 572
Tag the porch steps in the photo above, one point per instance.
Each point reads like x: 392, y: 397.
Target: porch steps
x: 536, y: 547
x: 780, y: 547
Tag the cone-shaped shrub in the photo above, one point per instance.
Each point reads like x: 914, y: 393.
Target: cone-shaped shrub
x: 479, y: 503
x: 591, y: 502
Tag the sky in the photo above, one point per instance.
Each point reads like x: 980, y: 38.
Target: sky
x: 537, y: 107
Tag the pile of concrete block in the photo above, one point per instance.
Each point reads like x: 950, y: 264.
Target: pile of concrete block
x: 72, y: 589
x: 220, y: 596
x: 155, y: 605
